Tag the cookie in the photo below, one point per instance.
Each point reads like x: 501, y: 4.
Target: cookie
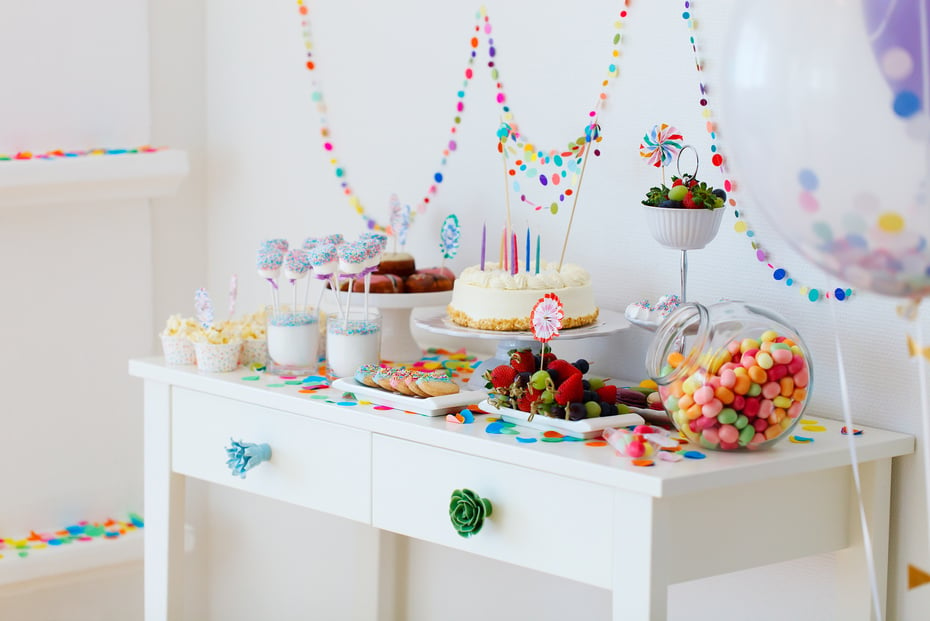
x: 365, y: 374
x: 437, y: 384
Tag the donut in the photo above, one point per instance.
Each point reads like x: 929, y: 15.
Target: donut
x: 437, y: 384
x: 383, y: 283
x: 365, y: 374
x: 422, y: 281
x: 439, y: 271
x: 399, y: 263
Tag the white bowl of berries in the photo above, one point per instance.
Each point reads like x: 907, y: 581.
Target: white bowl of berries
x: 686, y: 216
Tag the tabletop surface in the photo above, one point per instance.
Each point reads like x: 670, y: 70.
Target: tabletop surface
x: 829, y: 447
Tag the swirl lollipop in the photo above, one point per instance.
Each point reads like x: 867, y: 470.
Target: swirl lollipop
x: 400, y: 222
x: 449, y: 236
x: 233, y: 294
x: 203, y: 308
x: 660, y: 146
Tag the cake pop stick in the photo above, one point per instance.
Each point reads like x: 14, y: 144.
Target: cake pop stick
x: 233, y: 294
x: 268, y: 264
x: 376, y: 243
x: 296, y: 267
x: 352, y: 258
x: 325, y: 264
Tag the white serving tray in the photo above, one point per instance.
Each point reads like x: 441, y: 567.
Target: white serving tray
x: 430, y: 406
x: 585, y: 428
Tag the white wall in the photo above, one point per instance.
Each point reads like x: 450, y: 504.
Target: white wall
x: 389, y: 72
x: 78, y: 296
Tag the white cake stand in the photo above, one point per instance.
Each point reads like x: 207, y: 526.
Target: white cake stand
x: 608, y: 322
x: 397, y: 342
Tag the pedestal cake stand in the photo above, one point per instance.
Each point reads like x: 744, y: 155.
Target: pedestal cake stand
x: 608, y: 322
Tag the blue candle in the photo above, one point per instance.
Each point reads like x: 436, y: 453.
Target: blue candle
x: 537, y: 254
x: 527, y: 266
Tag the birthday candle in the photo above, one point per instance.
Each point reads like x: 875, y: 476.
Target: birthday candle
x: 484, y: 235
x: 537, y: 254
x: 527, y: 265
x: 503, y: 260
x: 515, y: 264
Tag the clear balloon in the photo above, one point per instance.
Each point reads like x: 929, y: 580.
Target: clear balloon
x: 824, y: 111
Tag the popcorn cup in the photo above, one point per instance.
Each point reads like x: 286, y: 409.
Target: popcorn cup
x: 352, y: 342
x: 683, y: 229
x: 178, y: 349
x: 254, y: 351
x: 218, y: 357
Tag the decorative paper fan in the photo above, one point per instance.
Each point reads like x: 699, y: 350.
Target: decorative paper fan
x: 546, y: 318
x: 661, y: 145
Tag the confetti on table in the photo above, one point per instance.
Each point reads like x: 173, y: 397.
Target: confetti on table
x: 669, y: 456
x: 525, y: 440
x: 693, y: 454
x: 856, y: 432
x: 595, y: 443
x: 251, y: 378
x: 643, y: 463
x: 800, y: 440
x: 813, y: 428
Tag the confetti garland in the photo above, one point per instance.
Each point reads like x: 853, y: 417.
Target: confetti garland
x: 742, y: 225
x: 532, y: 157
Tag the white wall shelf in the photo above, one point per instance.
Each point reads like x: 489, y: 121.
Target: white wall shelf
x: 92, y: 178
x: 73, y: 557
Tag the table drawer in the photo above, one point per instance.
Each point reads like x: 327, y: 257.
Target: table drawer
x: 314, y: 464
x: 533, y: 512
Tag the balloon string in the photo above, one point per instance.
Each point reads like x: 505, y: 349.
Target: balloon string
x: 925, y: 414
x: 851, y: 442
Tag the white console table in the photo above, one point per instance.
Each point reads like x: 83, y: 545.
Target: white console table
x: 396, y: 472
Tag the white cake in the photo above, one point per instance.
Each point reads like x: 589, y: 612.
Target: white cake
x: 495, y: 299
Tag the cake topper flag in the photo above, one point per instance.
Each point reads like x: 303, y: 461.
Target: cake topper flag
x: 449, y: 237
x: 660, y: 146
x: 203, y: 308
x: 400, y: 222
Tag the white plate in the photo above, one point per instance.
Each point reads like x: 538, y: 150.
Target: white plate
x: 585, y: 428
x: 608, y: 322
x: 430, y: 406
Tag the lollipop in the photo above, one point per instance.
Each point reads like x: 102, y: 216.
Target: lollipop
x: 449, y: 236
x: 203, y: 308
x: 233, y: 294
x: 400, y: 221
x: 660, y: 146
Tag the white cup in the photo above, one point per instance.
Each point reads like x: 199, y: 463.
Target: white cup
x: 352, y: 342
x: 293, y: 340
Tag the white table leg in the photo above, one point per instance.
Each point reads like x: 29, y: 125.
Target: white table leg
x: 853, y: 587
x: 164, y: 510
x: 376, y: 578
x: 640, y: 589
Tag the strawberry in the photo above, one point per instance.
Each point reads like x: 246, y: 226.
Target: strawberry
x: 526, y: 400
x: 563, y: 368
x: 688, y: 201
x: 676, y: 181
x: 692, y: 183
x: 607, y: 393
x: 522, y: 361
x: 569, y: 390
x: 501, y: 376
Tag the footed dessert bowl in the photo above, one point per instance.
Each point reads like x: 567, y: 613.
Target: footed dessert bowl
x: 683, y: 229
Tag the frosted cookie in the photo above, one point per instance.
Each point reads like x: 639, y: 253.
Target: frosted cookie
x: 412, y: 378
x: 437, y: 384
x: 399, y: 382
x: 365, y: 374
x: 382, y: 378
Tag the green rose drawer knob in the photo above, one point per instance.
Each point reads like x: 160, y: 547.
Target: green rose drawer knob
x: 467, y: 511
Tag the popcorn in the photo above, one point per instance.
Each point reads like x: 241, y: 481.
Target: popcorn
x: 253, y: 326
x: 219, y: 334
x: 180, y: 326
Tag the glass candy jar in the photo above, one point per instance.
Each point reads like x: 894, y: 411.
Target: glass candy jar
x: 732, y: 376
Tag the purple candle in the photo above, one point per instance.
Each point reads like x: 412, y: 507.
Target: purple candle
x: 484, y: 240
x: 527, y: 265
x: 537, y: 254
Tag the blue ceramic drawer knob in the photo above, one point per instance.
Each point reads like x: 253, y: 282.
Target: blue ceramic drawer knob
x: 243, y: 456
x: 467, y: 511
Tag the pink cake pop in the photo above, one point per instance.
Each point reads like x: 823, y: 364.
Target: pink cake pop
x: 275, y: 244
x: 325, y: 262
x: 296, y: 267
x: 353, y: 257
x: 312, y: 242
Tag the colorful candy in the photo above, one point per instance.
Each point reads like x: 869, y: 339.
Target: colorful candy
x: 747, y: 394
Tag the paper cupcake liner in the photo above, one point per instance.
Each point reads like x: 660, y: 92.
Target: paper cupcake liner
x: 218, y: 357
x: 178, y: 349
x: 254, y: 351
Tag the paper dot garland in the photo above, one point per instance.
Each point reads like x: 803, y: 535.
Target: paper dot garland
x: 532, y: 158
x: 742, y: 225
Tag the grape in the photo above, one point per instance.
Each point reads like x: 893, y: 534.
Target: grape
x: 596, y: 382
x: 557, y: 411
x: 592, y: 408
x: 538, y: 379
x: 677, y: 193
x: 547, y: 396
x: 577, y: 411
x: 582, y: 365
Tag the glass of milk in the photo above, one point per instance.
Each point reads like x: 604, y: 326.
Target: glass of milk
x: 352, y: 342
x: 293, y: 335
